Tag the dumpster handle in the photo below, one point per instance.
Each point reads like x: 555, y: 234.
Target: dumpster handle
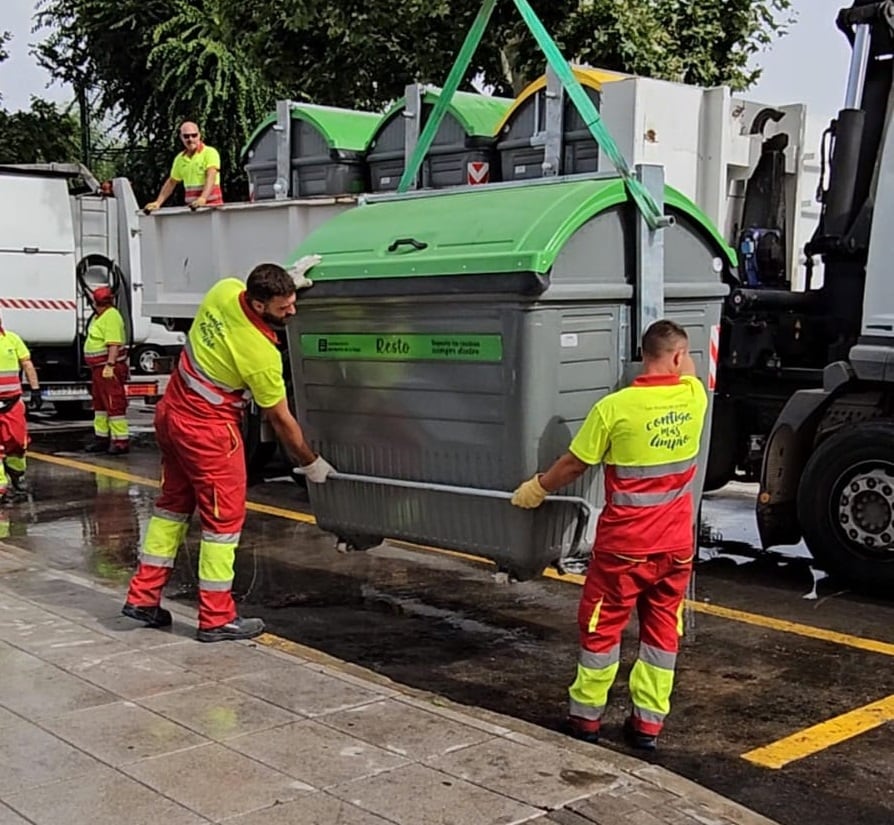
x: 418, y: 245
x: 586, y: 511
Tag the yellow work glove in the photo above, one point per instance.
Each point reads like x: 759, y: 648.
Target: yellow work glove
x: 530, y: 494
x: 108, y: 371
x: 151, y: 206
x: 198, y: 203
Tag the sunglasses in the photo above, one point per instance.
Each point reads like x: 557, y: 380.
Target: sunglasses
x: 186, y: 135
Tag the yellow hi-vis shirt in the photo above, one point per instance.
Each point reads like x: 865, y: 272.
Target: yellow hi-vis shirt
x: 12, y: 352
x: 229, y: 350
x: 191, y: 170
x: 647, y: 435
x: 105, y: 329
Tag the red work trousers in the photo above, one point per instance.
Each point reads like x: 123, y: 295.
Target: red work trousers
x: 110, y: 404
x: 13, y: 442
x: 654, y: 584
x: 203, y: 465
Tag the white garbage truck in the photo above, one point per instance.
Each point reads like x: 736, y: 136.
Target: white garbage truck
x: 63, y: 233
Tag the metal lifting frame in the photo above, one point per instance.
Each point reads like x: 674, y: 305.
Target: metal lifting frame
x: 651, y: 211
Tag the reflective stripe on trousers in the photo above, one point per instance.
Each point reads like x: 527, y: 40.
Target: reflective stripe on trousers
x: 655, y: 585
x: 164, y: 535
x: 118, y: 429
x: 217, y: 553
x: 203, y: 466
x: 101, y: 424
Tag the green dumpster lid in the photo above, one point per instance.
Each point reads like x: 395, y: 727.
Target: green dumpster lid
x: 478, y: 114
x: 342, y: 128
x: 478, y: 231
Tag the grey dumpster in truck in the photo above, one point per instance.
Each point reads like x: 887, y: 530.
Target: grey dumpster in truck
x: 464, y: 148
x: 326, y: 148
x: 460, y: 338
x: 543, y: 133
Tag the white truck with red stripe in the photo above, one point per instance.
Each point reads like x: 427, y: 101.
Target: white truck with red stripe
x: 61, y: 235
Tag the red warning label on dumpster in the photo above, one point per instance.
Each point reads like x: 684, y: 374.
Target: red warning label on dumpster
x: 479, y: 172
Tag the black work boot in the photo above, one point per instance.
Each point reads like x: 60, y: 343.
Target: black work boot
x: 584, y: 729
x: 99, y: 445
x: 150, y: 616
x: 119, y: 449
x: 637, y: 739
x: 239, y: 628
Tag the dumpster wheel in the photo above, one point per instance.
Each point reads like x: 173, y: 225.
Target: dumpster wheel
x: 356, y: 542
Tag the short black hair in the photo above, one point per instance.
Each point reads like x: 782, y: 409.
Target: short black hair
x: 268, y: 281
x: 662, y: 337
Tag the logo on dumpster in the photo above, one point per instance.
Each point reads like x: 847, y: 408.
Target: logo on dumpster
x: 404, y: 347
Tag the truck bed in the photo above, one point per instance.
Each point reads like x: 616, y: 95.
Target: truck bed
x: 183, y: 253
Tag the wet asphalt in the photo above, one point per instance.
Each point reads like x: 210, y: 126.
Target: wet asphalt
x: 443, y: 624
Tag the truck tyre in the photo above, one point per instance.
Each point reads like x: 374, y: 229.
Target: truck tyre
x: 846, y: 506
x: 143, y: 359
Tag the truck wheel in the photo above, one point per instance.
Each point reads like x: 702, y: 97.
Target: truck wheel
x: 143, y: 360
x: 846, y: 505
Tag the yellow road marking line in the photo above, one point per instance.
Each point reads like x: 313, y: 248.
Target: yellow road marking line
x: 822, y: 736
x: 775, y: 755
x: 755, y: 619
x: 97, y: 469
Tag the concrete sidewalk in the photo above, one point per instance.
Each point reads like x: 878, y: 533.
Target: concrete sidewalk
x: 104, y: 722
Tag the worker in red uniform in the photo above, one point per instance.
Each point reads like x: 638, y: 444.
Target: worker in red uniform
x: 647, y: 437
x: 230, y: 348
x: 197, y: 167
x: 105, y: 352
x: 14, y: 359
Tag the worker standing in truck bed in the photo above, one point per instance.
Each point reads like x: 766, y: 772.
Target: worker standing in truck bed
x: 197, y: 167
x: 647, y: 436
x: 14, y: 359
x: 105, y: 352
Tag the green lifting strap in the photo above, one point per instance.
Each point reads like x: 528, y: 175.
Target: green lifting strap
x: 645, y: 202
x: 587, y: 110
x: 460, y: 67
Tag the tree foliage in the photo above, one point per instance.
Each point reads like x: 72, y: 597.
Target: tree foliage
x: 223, y: 63
x: 44, y: 134
x: 41, y: 135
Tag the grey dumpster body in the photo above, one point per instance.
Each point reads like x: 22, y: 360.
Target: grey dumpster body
x: 522, y: 136
x: 463, y: 150
x: 460, y: 338
x: 327, y: 147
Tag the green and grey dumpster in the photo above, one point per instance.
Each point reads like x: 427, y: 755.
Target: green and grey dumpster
x: 453, y: 343
x: 321, y: 153
x: 543, y: 133
x: 463, y: 151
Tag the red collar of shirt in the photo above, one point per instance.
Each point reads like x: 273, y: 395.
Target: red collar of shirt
x: 256, y: 319
x: 200, y: 148
x: 662, y: 380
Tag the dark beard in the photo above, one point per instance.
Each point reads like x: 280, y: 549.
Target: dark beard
x: 273, y: 321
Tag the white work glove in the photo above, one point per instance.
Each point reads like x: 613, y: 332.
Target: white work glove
x: 300, y: 267
x: 318, y: 470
